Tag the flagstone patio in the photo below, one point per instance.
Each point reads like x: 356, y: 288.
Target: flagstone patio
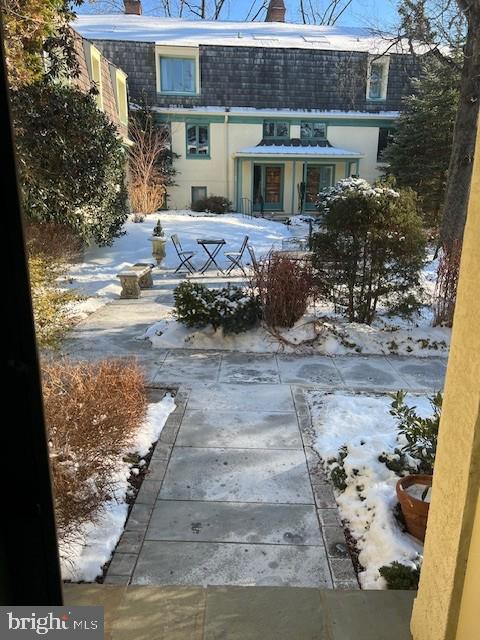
x: 235, y: 495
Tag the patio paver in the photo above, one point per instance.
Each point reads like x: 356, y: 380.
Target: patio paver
x: 234, y: 522
x: 239, y: 429
x: 211, y: 563
x: 237, y: 475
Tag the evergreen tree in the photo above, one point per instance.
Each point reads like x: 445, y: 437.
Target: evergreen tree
x: 71, y: 161
x: 420, y: 152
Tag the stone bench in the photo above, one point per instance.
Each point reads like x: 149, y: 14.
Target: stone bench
x: 134, y: 279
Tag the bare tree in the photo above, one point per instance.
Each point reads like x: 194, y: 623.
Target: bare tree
x: 149, y: 165
x: 323, y: 13
x: 200, y: 9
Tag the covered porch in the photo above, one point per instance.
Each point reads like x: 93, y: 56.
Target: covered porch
x: 286, y: 180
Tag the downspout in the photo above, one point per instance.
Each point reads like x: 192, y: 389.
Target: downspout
x: 227, y: 157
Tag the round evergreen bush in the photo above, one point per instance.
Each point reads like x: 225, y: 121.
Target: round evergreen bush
x: 371, y: 247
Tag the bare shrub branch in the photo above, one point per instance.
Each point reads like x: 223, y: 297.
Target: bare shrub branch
x: 285, y: 286
x: 92, y: 411
x: 147, y: 182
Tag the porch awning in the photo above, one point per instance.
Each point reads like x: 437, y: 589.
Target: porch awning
x: 297, y: 152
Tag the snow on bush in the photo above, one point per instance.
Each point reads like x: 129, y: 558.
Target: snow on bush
x: 370, y: 250
x: 351, y: 432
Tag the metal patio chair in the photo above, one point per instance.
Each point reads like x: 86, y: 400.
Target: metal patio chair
x: 253, y: 257
x: 235, y: 258
x: 184, y: 256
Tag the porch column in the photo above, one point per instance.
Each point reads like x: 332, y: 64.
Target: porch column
x: 448, y: 597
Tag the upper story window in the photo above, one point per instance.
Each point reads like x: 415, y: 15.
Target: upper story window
x: 377, y: 81
x: 178, y: 75
x: 276, y: 129
x: 313, y: 130
x: 96, y: 67
x: 198, y: 141
x: 385, y: 138
x: 121, y: 91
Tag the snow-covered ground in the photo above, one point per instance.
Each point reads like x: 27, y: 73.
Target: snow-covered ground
x: 96, y: 276
x: 83, y: 559
x: 96, y: 279
x: 365, y: 427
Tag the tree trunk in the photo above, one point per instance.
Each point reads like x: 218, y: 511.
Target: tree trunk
x: 461, y: 160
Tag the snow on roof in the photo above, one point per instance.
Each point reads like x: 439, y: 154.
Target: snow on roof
x: 314, y: 113
x: 178, y: 32
x: 284, y: 150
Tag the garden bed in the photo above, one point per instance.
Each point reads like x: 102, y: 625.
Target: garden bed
x: 83, y: 559
x: 351, y: 432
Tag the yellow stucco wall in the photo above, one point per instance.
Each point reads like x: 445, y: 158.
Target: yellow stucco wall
x: 457, y: 468
x: 218, y: 172
x: 363, y: 140
x: 468, y: 625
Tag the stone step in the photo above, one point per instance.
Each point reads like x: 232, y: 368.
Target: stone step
x: 247, y: 613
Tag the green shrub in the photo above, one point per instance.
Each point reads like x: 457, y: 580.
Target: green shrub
x: 50, y: 304
x: 371, y: 248
x: 398, y: 462
x: 421, y: 433
x: 230, y: 308
x: 212, y: 204
x: 71, y: 161
x: 400, y: 576
x: 338, y: 475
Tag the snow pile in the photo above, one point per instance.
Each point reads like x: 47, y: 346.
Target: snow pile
x: 365, y: 427
x: 323, y: 335
x: 83, y: 558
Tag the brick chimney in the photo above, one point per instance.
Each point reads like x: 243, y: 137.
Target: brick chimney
x: 133, y: 7
x: 276, y: 11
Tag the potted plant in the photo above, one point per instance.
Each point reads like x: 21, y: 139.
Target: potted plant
x: 421, y: 435
x: 158, y: 241
x: 412, y: 493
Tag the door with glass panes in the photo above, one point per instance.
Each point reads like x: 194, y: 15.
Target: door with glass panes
x: 267, y: 187
x: 317, y: 177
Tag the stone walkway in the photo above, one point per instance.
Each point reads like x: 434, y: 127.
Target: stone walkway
x: 234, y: 494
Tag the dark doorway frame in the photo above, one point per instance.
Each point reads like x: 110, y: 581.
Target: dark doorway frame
x: 29, y: 563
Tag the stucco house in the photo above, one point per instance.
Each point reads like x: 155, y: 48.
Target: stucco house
x: 263, y: 113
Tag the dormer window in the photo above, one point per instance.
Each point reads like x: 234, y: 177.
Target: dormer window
x: 276, y: 129
x: 96, y: 74
x: 178, y: 70
x: 177, y: 75
x: 121, y: 94
x: 377, y: 81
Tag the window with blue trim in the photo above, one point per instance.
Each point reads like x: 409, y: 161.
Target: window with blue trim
x: 313, y: 130
x: 198, y: 141
x: 177, y: 75
x: 275, y: 129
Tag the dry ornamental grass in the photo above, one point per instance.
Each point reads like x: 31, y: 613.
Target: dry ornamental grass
x: 92, y: 411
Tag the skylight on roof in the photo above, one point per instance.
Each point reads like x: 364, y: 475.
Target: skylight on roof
x: 313, y: 39
x: 265, y: 38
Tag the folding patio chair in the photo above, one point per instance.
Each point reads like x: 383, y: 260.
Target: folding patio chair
x: 235, y: 258
x: 253, y: 257
x: 184, y: 256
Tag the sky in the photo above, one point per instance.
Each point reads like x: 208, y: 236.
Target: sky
x: 362, y: 13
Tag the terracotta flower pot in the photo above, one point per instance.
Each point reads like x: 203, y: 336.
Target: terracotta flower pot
x: 415, y: 511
